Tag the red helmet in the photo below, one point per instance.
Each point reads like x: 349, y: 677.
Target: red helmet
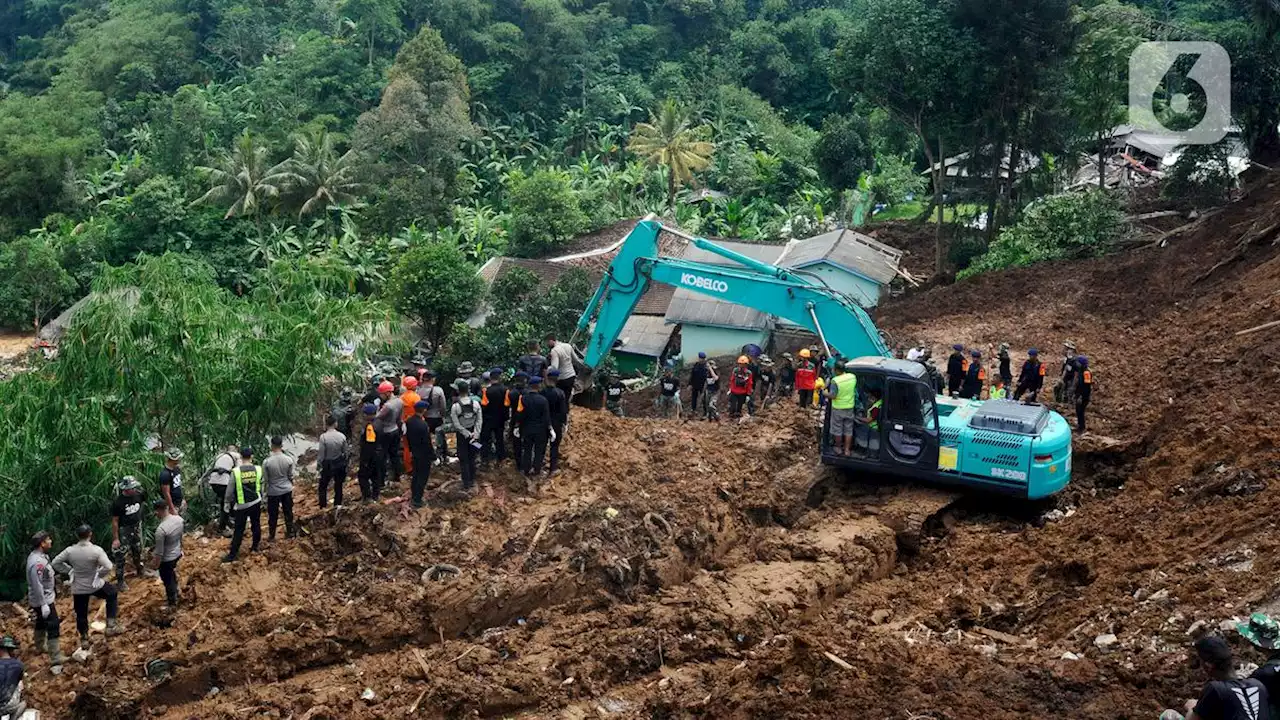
x: 410, y: 382
x: 386, y: 386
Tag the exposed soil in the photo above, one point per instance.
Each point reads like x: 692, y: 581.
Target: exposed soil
x: 703, y: 570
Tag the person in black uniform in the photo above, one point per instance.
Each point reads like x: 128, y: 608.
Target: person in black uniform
x: 535, y: 428
x: 974, y: 378
x: 418, y: 435
x: 1083, y: 390
x: 698, y: 384
x: 1264, y: 634
x: 1067, y: 379
x: 126, y: 528
x: 558, y: 405
x: 371, y: 460
x: 494, y: 408
x: 515, y: 407
x: 767, y: 379
x: 1006, y: 372
x: 1031, y: 377
x: 956, y: 367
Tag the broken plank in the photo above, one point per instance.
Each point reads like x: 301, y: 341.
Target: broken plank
x: 1259, y: 328
x: 422, y: 663
x: 836, y: 659
x: 542, y: 527
x: 1001, y: 636
x: 414, y: 707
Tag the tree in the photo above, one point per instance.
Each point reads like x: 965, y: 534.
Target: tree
x: 668, y: 140
x: 35, y: 285
x: 316, y: 177
x: 373, y: 17
x: 435, y: 286
x: 1073, y: 225
x: 1099, y: 74
x: 544, y: 212
x: 240, y: 179
x: 842, y: 153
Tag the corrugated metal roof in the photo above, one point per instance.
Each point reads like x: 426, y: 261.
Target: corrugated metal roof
x: 645, y: 335
x: 850, y: 250
x: 688, y: 307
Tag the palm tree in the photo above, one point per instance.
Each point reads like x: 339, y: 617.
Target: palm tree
x: 316, y: 177
x: 240, y: 179
x: 668, y: 140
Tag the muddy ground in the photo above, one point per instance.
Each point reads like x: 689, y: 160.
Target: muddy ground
x: 694, y: 570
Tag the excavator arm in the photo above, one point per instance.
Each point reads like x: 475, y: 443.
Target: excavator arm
x: 841, y: 324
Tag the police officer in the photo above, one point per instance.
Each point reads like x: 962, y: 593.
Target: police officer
x: 11, y: 673
x: 41, y: 596
x: 515, y: 405
x: 558, y: 406
x: 974, y: 378
x: 535, y: 428
x: 369, y: 476
x: 1083, y: 390
x: 956, y: 369
x: 417, y: 434
x: 219, y: 478
x: 1065, y: 389
x: 1031, y: 377
x: 1006, y: 372
x: 126, y: 528
x: 493, y: 405
x: 245, y: 491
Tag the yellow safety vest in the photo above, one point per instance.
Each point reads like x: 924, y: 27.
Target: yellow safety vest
x: 238, y: 475
x: 875, y: 424
x: 998, y: 393
x: 846, y: 391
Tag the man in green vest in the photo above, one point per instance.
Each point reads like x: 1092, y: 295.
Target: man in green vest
x: 842, y: 391
x: 873, y: 413
x: 244, y: 494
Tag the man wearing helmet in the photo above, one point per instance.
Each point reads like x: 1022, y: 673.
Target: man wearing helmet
x: 1065, y: 389
x: 741, y: 385
x: 171, y: 482
x: 957, y: 367
x: 388, y: 419
x: 787, y: 376
x: 1031, y: 377
x: 768, y: 378
x: 1083, y: 390
x: 11, y: 672
x: 126, y: 528
x: 806, y: 378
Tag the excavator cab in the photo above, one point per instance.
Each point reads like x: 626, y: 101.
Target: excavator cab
x: 904, y: 438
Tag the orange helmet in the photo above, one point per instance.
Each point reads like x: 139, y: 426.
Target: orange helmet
x: 410, y: 382
x: 743, y: 360
x: 804, y: 353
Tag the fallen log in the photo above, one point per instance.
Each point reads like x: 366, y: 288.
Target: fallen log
x: 1259, y: 328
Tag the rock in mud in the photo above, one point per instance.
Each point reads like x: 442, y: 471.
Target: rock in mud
x: 1105, y: 642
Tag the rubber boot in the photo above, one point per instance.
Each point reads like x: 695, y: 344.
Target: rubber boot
x: 55, y: 652
x: 113, y: 627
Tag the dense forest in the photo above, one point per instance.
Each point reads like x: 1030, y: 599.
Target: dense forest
x: 247, y: 131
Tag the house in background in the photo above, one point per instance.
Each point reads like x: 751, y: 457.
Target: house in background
x: 647, y: 339
x: 546, y: 271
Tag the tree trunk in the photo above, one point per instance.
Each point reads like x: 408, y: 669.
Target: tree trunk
x: 671, y: 191
x: 940, y: 255
x: 371, y: 27
x: 993, y: 188
x: 1002, y: 213
x: 1102, y: 162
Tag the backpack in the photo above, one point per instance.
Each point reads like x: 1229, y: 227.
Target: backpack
x: 740, y: 378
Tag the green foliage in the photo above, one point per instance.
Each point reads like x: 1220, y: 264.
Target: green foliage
x: 1201, y: 177
x: 435, y: 286
x: 669, y: 140
x: 521, y: 310
x: 160, y: 351
x: 843, y: 153
x: 35, y: 286
x: 894, y: 180
x: 1073, y: 225
x: 544, y: 212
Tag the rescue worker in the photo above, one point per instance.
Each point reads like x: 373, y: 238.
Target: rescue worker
x: 535, y: 428
x: 613, y: 392
x: 344, y: 411
x: 741, y: 385
x: 417, y: 434
x: 787, y: 376
x: 560, y: 359
x: 245, y: 491
x: 1264, y: 633
x: 370, y: 473
x: 532, y: 363
x: 1083, y: 390
x: 668, y: 400
x: 1062, y: 392
x: 1006, y: 372
x: 843, y: 393
x: 558, y: 406
x: 11, y: 674
x: 41, y: 597
x: 713, y: 392
x: 167, y: 551
x: 872, y: 418
x: 171, y: 482
x: 494, y: 408
x: 1030, y: 377
x: 437, y: 406
x: 806, y: 377
x: 467, y: 371
x: 768, y: 379
x: 126, y: 528
x: 410, y: 398
x: 278, y: 471
x: 753, y: 364
x: 219, y: 477
x: 88, y: 566
x: 998, y: 391
x: 957, y: 366
x: 935, y: 376
x: 515, y: 404
x: 468, y: 421
x: 975, y: 377
x: 388, y: 420
x: 1224, y: 697
x: 332, y: 462
x: 698, y: 385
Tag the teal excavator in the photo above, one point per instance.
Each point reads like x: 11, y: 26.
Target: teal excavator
x: 1002, y: 446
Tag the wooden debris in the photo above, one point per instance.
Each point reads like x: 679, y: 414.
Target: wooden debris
x: 542, y: 527
x: 422, y: 663
x: 414, y: 707
x: 836, y: 659
x: 1003, y: 637
x: 1153, y: 215
x: 1259, y: 328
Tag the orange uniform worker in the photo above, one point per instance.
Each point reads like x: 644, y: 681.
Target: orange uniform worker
x: 410, y: 398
